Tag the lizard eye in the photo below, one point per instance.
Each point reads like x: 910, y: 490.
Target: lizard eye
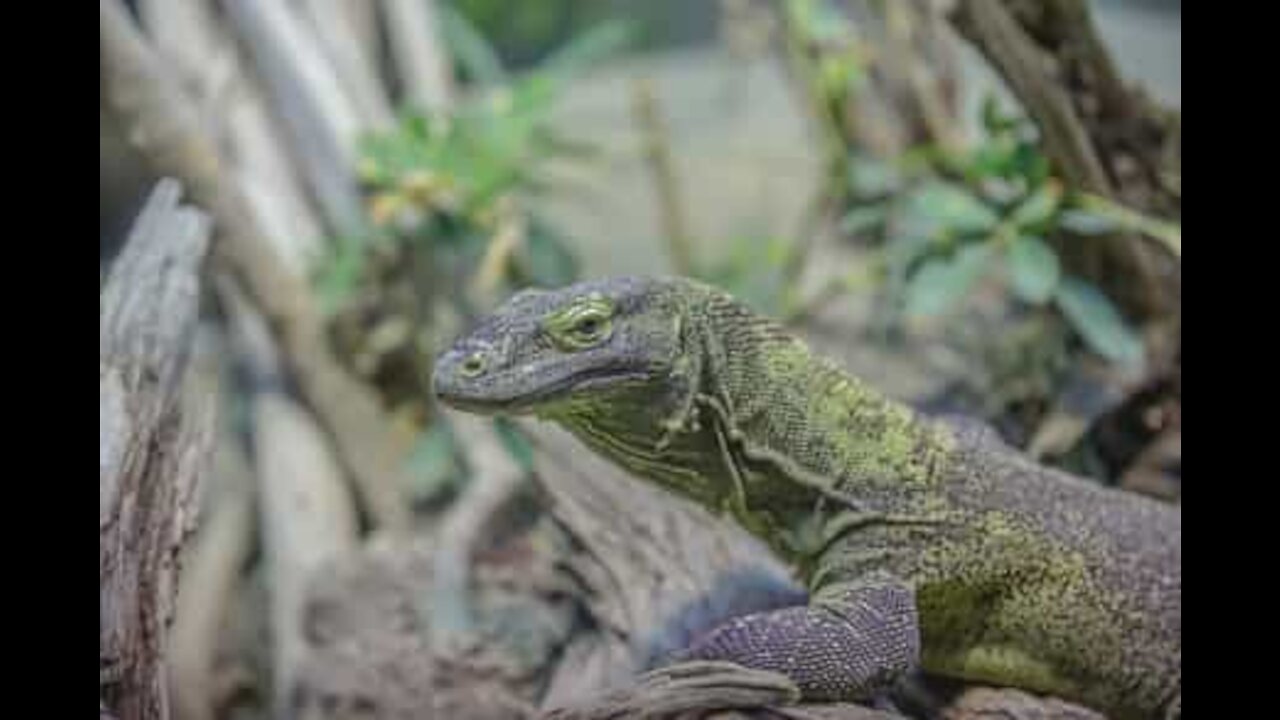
x: 588, y: 329
x: 588, y: 326
x: 473, y: 365
x: 582, y: 325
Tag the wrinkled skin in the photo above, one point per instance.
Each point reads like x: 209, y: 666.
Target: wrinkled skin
x: 922, y: 543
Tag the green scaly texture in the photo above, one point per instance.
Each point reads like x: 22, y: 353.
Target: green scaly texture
x: 1021, y: 575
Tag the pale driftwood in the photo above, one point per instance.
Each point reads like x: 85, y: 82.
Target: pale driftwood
x: 323, y: 125
x: 983, y: 703
x: 142, y: 92
x: 420, y: 57
x: 153, y: 444
x: 190, y: 36
x: 307, y: 520
x: 364, y: 18
x: 220, y: 548
x: 306, y: 517
x: 343, y: 46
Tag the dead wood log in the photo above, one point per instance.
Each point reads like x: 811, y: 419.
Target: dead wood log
x: 138, y: 87
x: 307, y: 516
x: 152, y: 446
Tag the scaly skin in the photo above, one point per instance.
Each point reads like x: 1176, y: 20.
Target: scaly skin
x: 922, y: 541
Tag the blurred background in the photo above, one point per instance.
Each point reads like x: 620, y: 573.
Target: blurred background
x: 973, y: 205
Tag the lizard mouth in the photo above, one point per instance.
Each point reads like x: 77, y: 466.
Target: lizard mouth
x: 487, y: 399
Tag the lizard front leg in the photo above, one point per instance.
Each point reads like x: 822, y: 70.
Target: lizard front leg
x: 847, y: 644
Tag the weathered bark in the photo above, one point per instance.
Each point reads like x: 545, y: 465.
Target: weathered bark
x: 152, y: 449
x: 983, y: 703
x: 1104, y: 136
x: 137, y: 86
x: 220, y: 549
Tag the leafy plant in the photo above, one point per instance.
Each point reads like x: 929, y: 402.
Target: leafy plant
x: 443, y: 184
x: 949, y: 221
x: 447, y: 215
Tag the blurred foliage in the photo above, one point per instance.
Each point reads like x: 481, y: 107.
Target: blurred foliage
x: 438, y: 184
x: 522, y: 32
x: 949, y: 220
x: 753, y: 270
x: 450, y: 230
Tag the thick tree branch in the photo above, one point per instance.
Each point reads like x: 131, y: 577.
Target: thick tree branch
x: 152, y: 446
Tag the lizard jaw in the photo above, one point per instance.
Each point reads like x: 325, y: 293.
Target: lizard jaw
x: 479, y: 402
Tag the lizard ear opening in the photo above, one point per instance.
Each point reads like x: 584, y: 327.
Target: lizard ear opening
x: 584, y: 323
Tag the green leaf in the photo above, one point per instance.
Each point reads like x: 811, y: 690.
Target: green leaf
x: 469, y: 47
x: 1038, y: 208
x: 951, y: 207
x: 993, y: 158
x: 1034, y: 270
x: 1098, y: 321
x: 942, y: 281
x: 1031, y: 164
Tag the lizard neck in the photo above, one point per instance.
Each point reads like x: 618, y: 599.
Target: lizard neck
x: 811, y: 442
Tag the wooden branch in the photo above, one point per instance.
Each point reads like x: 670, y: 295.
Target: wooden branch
x: 343, y: 46
x: 139, y: 88
x: 152, y: 446
x: 220, y: 549
x: 1020, y: 62
x: 364, y: 18
x: 322, y: 121
x: 984, y: 703
x: 191, y: 39
x: 307, y: 520
x: 422, y: 62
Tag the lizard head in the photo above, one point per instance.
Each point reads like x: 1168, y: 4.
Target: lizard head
x: 544, y: 349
